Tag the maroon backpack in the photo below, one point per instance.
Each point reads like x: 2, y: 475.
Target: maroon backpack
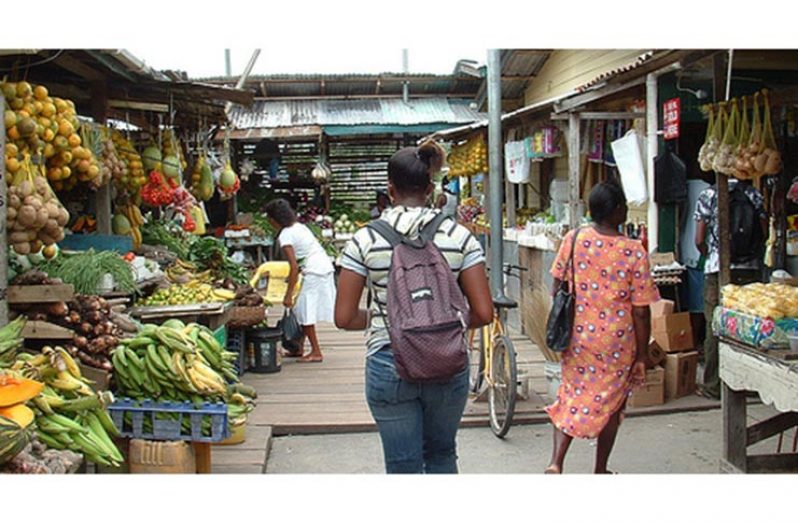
x: 427, y: 311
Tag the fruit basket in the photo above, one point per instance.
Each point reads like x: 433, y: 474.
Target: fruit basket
x: 243, y: 317
x: 170, y: 420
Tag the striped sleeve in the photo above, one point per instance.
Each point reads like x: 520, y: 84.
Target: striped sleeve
x: 473, y: 253
x: 352, y: 256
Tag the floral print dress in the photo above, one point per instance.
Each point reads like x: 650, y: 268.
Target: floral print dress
x: 612, y: 275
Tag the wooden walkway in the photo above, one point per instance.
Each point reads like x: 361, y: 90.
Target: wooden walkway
x: 328, y: 397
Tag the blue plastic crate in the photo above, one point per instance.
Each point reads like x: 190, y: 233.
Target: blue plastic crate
x: 236, y: 342
x: 170, y: 430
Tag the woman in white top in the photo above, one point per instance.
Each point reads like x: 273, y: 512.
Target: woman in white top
x: 316, y: 300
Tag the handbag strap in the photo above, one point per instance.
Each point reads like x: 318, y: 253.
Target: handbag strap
x: 571, y: 258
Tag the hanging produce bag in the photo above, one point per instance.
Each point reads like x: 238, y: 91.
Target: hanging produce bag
x: 629, y: 157
x: 723, y: 161
x: 712, y: 141
x: 516, y: 162
x: 768, y: 161
x: 742, y: 169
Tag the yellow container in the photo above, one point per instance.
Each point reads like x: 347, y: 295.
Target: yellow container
x: 238, y: 435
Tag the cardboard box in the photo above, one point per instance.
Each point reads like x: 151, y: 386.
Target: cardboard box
x: 680, y: 374
x: 662, y: 308
x: 674, y: 332
x: 650, y: 394
x: 654, y: 355
x: 661, y: 259
x: 161, y: 457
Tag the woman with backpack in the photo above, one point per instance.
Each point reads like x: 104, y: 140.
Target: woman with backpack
x: 416, y: 398
x: 612, y: 288
x: 304, y: 253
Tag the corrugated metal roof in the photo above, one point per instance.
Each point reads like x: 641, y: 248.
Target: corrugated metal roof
x: 640, y: 60
x: 276, y: 113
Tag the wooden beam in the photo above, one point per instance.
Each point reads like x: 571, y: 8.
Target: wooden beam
x: 780, y: 463
x: 263, y: 90
x: 735, y: 435
x: 3, y: 235
x: 771, y: 426
x: 377, y: 89
x: 139, y: 106
x: 73, y: 65
x: 596, y: 94
x: 573, y: 168
x: 603, y: 116
x: 722, y: 181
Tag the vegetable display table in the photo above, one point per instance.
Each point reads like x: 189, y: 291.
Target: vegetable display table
x: 212, y: 315
x: 259, y: 244
x: 775, y: 379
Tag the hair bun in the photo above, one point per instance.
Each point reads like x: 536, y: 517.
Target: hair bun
x: 431, y: 154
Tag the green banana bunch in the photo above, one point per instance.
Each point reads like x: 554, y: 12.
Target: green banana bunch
x: 69, y: 413
x: 10, y: 341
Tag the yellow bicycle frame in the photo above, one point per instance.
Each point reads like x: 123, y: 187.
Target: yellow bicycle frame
x: 489, y: 333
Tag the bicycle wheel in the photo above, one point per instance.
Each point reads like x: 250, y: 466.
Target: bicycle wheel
x: 476, y: 362
x: 503, y: 384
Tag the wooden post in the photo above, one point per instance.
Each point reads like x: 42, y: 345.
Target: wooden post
x: 3, y: 235
x: 735, y: 434
x: 722, y: 184
x: 99, y: 111
x: 573, y: 168
x: 202, y: 456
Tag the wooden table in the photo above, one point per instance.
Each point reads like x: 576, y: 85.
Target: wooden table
x: 775, y: 379
x: 212, y: 315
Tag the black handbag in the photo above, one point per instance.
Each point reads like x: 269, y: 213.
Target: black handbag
x: 561, y: 317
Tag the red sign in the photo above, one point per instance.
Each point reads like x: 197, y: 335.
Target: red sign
x: 671, y: 115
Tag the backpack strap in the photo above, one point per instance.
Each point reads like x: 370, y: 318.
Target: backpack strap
x: 394, y: 238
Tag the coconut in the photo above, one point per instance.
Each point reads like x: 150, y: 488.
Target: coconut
x: 26, y: 216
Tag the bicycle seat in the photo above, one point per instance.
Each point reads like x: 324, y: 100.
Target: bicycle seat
x: 504, y: 303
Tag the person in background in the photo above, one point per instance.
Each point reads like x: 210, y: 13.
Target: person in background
x: 447, y: 200
x: 613, y: 289
x: 383, y: 202
x: 742, y: 272
x: 417, y: 422
x: 304, y: 253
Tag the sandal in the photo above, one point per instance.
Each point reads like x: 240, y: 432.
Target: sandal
x: 287, y: 354
x: 310, y: 359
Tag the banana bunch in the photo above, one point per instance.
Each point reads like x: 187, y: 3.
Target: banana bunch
x: 136, y: 219
x: 183, y: 273
x: 10, y: 341
x: 179, y: 362
x: 69, y: 413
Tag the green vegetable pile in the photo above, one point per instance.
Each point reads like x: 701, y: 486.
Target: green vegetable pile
x: 209, y: 253
x: 170, y: 236
x: 85, y: 270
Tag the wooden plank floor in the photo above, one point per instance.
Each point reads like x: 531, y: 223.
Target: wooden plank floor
x: 313, y: 398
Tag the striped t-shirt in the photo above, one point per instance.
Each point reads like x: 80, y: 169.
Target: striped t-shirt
x: 369, y: 255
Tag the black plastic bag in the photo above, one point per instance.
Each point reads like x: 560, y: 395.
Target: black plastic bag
x: 290, y: 327
x: 561, y: 317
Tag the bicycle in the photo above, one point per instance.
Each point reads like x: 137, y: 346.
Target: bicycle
x: 495, y: 366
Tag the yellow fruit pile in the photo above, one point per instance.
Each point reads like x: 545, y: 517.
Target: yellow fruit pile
x: 37, y: 123
x: 134, y: 177
x: 765, y: 300
x: 469, y: 158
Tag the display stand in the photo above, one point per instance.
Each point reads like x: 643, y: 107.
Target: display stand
x: 745, y: 369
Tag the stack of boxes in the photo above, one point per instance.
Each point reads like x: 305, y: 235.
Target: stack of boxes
x: 672, y: 345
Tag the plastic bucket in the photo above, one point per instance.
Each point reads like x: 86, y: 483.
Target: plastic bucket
x: 263, y: 344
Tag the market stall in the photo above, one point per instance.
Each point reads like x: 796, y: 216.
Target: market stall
x: 120, y: 302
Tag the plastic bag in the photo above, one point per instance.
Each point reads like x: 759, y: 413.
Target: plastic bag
x: 629, y: 157
x: 712, y: 141
x: 290, y: 327
x: 742, y: 168
x: 723, y: 161
x: 768, y: 161
x: 516, y: 162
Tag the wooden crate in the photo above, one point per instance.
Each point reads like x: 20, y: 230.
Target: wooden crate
x: 42, y: 330
x: 27, y: 294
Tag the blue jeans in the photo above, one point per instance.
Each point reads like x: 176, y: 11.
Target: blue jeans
x: 418, y: 422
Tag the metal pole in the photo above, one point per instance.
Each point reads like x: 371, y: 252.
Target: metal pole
x: 496, y: 172
x: 243, y: 78
x: 652, y: 146
x: 228, y: 67
x: 405, y: 70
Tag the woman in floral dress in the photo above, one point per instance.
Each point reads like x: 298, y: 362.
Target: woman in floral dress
x: 612, y: 325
